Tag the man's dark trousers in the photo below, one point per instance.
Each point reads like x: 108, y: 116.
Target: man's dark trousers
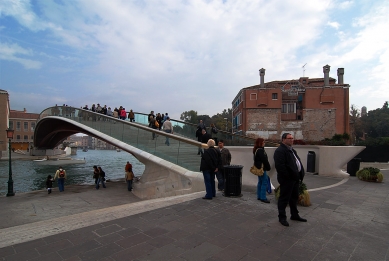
x: 289, y: 193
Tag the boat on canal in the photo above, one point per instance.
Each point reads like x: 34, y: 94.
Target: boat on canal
x: 59, y: 161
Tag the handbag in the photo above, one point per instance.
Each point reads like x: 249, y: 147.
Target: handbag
x: 256, y: 171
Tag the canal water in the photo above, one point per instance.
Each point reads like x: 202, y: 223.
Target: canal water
x: 29, y: 176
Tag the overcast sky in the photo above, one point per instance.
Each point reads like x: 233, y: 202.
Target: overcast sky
x: 174, y: 56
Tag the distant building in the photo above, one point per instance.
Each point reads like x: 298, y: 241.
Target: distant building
x: 23, y: 123
x: 364, y: 111
x: 310, y: 109
x: 4, y: 120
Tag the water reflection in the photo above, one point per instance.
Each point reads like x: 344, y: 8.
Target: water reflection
x: 29, y: 176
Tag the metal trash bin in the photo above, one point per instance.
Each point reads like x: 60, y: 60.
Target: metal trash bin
x: 353, y: 166
x: 311, y: 159
x: 233, y: 180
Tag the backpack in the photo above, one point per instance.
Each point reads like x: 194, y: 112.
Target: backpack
x: 61, y: 174
x: 156, y: 124
x: 214, y: 130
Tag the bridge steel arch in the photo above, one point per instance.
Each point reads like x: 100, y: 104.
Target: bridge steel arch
x: 161, y: 178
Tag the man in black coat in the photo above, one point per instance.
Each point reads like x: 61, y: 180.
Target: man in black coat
x: 210, y: 164
x: 290, y: 172
x: 199, y: 136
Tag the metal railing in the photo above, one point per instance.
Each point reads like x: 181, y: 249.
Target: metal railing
x: 181, y: 151
x: 183, y: 145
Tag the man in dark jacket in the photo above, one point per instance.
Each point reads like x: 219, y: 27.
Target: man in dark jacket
x: 290, y: 172
x: 199, y: 136
x: 210, y: 163
x: 226, y: 160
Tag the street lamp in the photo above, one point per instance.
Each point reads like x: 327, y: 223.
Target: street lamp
x: 10, y: 135
x: 226, y: 124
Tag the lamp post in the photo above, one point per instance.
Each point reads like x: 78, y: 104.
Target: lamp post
x: 10, y: 135
x: 226, y: 124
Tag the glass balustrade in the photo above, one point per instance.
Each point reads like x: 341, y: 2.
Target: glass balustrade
x: 183, y: 144
x: 180, y: 152
x: 188, y: 130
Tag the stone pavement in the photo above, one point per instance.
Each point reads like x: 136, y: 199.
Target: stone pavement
x: 348, y: 220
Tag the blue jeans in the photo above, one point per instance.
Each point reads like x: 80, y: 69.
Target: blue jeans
x: 129, y: 185
x: 61, y: 186
x: 167, y: 138
x: 209, y: 181
x: 98, y: 182
x: 261, y: 186
x: 220, y: 180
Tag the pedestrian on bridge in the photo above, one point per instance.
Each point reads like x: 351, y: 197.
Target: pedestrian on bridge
x: 168, y: 128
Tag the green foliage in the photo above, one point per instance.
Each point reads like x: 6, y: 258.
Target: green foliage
x: 376, y: 124
x: 337, y: 137
x: 370, y: 174
x: 336, y: 140
x: 373, y: 141
x: 189, y: 116
x: 222, y: 120
x: 302, y: 187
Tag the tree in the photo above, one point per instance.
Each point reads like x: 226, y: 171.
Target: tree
x: 376, y: 123
x: 220, y: 119
x: 356, y: 122
x: 189, y: 116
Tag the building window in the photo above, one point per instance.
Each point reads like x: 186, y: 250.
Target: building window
x: 17, y: 137
x: 11, y: 125
x: 253, y: 96
x: 274, y: 96
x: 288, y: 108
x: 18, y: 125
x: 291, y: 108
x: 237, y: 120
x: 32, y: 137
x: 32, y: 126
x: 237, y: 102
x: 25, y: 126
x: 25, y: 137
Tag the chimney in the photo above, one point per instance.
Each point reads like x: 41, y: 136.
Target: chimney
x: 340, y: 75
x: 326, y: 71
x: 24, y: 110
x: 262, y: 74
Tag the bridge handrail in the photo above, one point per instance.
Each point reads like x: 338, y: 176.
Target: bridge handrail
x: 185, y: 129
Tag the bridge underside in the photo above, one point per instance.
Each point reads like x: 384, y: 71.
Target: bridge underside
x: 50, y: 132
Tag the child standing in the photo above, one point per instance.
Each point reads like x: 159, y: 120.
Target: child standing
x: 129, y: 175
x: 49, y: 184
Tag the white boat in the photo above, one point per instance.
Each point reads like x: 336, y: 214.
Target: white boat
x: 59, y: 161
x: 118, y: 150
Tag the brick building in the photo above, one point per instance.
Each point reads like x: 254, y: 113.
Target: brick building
x: 310, y: 109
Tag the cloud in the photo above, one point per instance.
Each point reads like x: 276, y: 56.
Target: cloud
x: 335, y: 25
x: 345, y: 5
x: 175, y: 55
x: 10, y: 52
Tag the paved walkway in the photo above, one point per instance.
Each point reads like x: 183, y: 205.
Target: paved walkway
x: 348, y: 220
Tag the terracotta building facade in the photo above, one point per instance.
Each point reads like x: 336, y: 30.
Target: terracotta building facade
x: 4, y: 120
x: 23, y: 123
x: 312, y: 109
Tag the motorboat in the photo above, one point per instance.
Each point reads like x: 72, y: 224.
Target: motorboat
x: 118, y: 150
x: 59, y: 161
